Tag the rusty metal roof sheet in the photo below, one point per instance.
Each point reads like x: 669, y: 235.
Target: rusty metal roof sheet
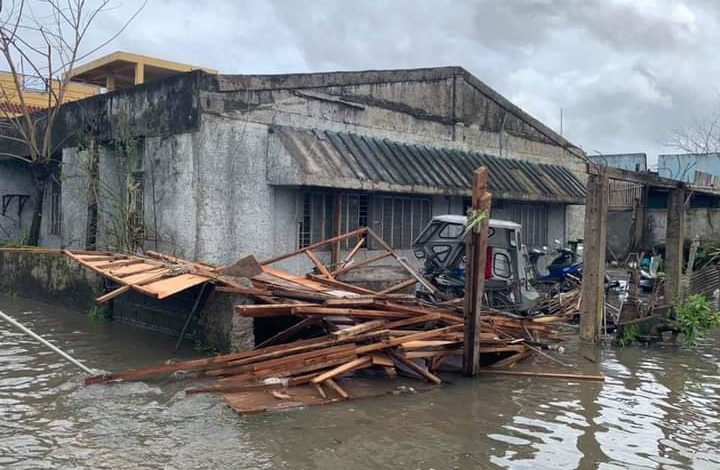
x: 354, y: 161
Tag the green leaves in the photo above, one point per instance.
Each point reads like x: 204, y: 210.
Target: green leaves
x: 695, y: 318
x: 474, y: 218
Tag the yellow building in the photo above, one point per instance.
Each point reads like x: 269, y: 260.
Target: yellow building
x: 124, y: 69
x: 35, y: 93
x: 108, y: 73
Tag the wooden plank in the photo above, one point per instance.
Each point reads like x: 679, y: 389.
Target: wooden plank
x: 509, y: 361
x: 176, y: 260
x: 210, y: 362
x: 360, y: 328
x: 423, y: 372
x: 359, y: 363
x: 380, y: 359
x: 338, y: 389
x: 139, y: 278
x: 299, y: 280
x: 139, y: 268
x: 360, y: 264
x: 352, y: 253
x: 350, y: 312
x: 171, y: 286
x: 402, y: 262
x: 393, y: 342
x: 551, y: 375
x: 288, y: 333
x: 120, y: 264
x: 269, y: 310
x: 314, y: 246
x: 340, y: 285
x: 319, y: 264
x: 399, y: 286
x: 112, y: 294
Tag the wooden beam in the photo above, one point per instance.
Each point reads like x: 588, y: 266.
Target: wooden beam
x: 645, y: 178
x: 401, y: 261
x: 352, y: 253
x: 551, y: 375
x: 593, y: 285
x: 360, y: 264
x: 674, y: 239
x: 340, y: 285
x: 112, y: 294
x: 319, y: 264
x: 399, y: 286
x: 338, y: 389
x: 475, y: 254
x: 314, y: 246
x: 421, y: 371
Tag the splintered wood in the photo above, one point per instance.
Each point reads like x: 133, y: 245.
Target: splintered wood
x: 343, y: 334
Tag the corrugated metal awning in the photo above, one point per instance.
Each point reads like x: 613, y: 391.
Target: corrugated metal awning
x: 354, y: 161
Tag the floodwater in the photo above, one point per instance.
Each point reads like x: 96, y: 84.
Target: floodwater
x: 658, y: 408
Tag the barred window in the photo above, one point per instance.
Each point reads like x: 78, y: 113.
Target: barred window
x: 55, y: 208
x: 397, y: 219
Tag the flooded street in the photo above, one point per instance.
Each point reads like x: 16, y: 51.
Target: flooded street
x: 658, y: 408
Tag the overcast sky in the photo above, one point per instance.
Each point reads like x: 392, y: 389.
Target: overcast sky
x: 625, y: 72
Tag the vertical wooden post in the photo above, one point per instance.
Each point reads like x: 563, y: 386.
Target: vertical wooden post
x: 674, y: 238
x: 637, y: 243
x: 593, y: 283
x: 139, y: 73
x: 475, y: 254
x: 337, y: 229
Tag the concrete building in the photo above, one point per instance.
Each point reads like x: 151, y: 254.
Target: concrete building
x: 125, y: 69
x: 215, y: 167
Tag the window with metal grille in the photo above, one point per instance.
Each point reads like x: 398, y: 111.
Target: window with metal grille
x: 55, y: 210
x: 397, y: 219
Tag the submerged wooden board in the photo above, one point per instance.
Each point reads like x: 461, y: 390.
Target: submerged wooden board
x: 307, y: 395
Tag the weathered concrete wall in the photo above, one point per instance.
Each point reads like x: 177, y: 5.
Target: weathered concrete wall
x: 48, y: 277
x: 619, y: 232
x: 701, y: 222
x: 15, y: 178
x: 442, y: 107
x: 53, y: 278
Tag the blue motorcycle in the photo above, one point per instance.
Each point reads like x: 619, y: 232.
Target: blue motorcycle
x: 564, y: 272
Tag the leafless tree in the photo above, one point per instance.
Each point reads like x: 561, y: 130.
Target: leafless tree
x: 699, y: 136
x: 44, y: 39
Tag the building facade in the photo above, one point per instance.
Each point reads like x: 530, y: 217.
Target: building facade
x: 216, y: 167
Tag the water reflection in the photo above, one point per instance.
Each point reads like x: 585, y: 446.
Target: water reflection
x: 658, y: 408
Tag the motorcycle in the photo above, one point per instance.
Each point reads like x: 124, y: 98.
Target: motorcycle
x: 564, y: 272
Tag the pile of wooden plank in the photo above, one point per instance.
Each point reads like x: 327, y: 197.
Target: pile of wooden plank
x: 561, y: 307
x: 339, y: 330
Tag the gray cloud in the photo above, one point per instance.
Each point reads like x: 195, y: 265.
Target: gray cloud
x: 625, y: 72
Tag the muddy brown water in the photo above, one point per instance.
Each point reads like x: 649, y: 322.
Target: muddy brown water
x: 658, y: 408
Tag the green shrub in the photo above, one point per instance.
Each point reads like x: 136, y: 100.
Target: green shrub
x: 629, y: 334
x: 695, y: 318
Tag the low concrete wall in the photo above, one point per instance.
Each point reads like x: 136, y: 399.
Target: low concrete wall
x: 51, y: 277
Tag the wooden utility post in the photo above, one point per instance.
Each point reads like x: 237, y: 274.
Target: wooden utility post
x: 593, y: 283
x: 674, y: 238
x: 475, y: 250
